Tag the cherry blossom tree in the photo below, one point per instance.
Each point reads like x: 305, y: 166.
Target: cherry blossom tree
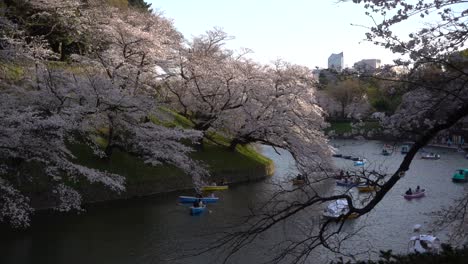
x: 281, y: 111
x: 209, y: 80
x: 42, y: 115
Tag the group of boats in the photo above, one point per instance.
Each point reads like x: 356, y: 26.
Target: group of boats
x: 358, y: 161
x: 421, y: 243
x: 199, y: 203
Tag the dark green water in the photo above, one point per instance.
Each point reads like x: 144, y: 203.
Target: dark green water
x: 158, y: 230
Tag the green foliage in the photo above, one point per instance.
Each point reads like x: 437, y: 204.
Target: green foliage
x: 381, y: 99
x: 341, y: 127
x: 118, y: 3
x: 140, y: 4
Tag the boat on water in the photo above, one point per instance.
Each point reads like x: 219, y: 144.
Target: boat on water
x: 346, y: 183
x: 418, y: 194
x: 385, y: 152
x: 359, y: 163
x: 337, y: 208
x: 366, y: 188
x: 197, y: 210
x: 298, y: 181
x: 192, y: 199
x: 424, y: 244
x: 461, y: 175
x: 214, y: 188
x: 405, y: 148
x: 431, y: 156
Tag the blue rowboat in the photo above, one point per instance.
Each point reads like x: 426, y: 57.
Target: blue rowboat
x: 192, y: 199
x: 359, y: 163
x: 346, y: 184
x: 197, y: 210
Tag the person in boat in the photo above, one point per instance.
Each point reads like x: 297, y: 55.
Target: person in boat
x: 418, y: 189
x: 409, y: 192
x: 197, y: 203
x: 367, y: 182
x: 341, y: 175
x: 357, y: 180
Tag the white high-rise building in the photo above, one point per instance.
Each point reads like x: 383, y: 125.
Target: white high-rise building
x: 336, y: 61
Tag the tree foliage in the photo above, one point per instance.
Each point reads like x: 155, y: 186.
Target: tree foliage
x: 112, y: 89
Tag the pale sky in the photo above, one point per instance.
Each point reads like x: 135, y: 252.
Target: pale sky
x: 303, y: 32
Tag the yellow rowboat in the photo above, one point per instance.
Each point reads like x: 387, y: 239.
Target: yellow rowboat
x: 298, y: 182
x: 214, y: 188
x: 353, y: 216
x: 367, y: 188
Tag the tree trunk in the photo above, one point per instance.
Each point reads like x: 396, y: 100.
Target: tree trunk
x: 233, y: 145
x: 110, y: 136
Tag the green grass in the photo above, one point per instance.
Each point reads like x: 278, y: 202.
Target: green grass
x: 11, y: 71
x: 340, y: 127
x: 69, y: 67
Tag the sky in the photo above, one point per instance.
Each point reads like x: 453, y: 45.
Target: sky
x: 302, y: 32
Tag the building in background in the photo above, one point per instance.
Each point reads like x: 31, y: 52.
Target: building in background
x: 369, y: 65
x: 336, y: 62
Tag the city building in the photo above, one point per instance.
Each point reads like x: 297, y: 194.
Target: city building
x: 336, y: 62
x: 369, y: 65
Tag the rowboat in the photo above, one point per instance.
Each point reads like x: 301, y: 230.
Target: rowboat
x: 460, y: 175
x: 337, y: 208
x: 424, y: 244
x: 406, y: 147
x: 366, y: 188
x: 346, y: 183
x: 431, y: 156
x: 214, y: 188
x: 197, y: 210
x: 415, y: 195
x: 192, y: 199
x: 359, y: 163
x: 298, y: 182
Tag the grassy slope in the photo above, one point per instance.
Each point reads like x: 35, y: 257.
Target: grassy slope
x: 143, y: 178
x: 215, y: 155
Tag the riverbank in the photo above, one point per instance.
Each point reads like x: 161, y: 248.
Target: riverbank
x: 245, y: 164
